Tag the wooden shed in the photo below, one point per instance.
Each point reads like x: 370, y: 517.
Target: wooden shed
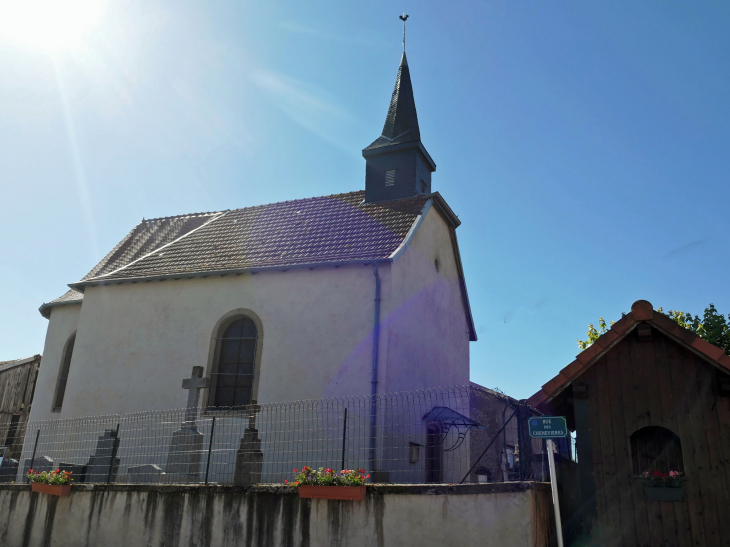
x: 647, y: 395
x: 17, y: 384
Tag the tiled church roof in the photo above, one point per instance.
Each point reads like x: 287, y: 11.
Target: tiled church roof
x: 331, y: 229
x: 641, y: 311
x: 147, y: 236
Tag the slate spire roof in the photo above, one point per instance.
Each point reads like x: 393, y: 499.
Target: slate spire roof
x: 401, y: 123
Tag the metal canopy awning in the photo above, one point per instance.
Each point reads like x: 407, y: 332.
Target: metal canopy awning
x: 446, y: 418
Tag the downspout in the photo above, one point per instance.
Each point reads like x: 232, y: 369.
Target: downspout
x: 374, y: 379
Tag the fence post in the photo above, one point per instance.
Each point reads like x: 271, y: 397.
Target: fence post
x: 115, y: 445
x: 210, y: 449
x: 344, y: 438
x: 35, y: 447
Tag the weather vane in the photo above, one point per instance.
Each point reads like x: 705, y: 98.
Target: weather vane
x: 403, y: 18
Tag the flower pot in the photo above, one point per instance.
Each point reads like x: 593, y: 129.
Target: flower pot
x: 354, y: 493
x: 658, y: 493
x: 52, y: 489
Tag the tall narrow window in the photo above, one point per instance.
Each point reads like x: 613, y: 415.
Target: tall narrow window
x: 424, y: 186
x: 63, y: 373
x: 233, y: 373
x: 656, y: 449
x: 390, y: 178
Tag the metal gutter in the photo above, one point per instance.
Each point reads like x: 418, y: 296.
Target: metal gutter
x: 48, y: 305
x: 374, y: 377
x: 79, y: 286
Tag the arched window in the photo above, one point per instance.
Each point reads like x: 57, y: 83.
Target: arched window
x: 234, y: 363
x: 656, y: 449
x: 63, y: 373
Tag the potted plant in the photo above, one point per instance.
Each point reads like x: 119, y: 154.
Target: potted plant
x: 660, y: 486
x: 55, y: 483
x: 348, y: 484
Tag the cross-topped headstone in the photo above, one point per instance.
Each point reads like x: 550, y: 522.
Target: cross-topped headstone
x: 195, y: 383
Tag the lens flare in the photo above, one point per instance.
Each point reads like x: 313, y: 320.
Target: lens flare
x: 49, y: 25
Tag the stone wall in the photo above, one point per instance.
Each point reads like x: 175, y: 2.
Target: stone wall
x: 507, y: 514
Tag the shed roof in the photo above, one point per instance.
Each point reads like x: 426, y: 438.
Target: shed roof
x: 641, y: 311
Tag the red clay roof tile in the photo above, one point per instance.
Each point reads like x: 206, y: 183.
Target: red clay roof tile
x: 713, y: 352
x: 642, y: 310
x: 572, y: 370
x: 589, y: 353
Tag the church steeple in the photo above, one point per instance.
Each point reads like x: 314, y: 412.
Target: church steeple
x: 397, y: 164
x: 401, y: 123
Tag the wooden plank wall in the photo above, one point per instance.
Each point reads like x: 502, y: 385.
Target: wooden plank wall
x: 17, y: 386
x: 658, y: 383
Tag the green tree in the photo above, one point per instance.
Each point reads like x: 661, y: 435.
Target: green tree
x: 712, y: 327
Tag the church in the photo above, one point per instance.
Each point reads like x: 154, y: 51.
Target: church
x: 350, y: 294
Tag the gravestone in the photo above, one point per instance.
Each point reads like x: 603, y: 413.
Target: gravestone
x: 146, y: 474
x: 249, y: 457
x: 78, y: 471
x: 104, y: 459
x: 186, y: 446
x: 40, y: 464
x: 8, y: 470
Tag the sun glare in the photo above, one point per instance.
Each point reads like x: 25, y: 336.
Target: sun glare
x: 49, y: 25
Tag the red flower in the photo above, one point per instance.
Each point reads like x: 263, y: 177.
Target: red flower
x: 658, y: 474
x: 286, y: 481
x: 296, y: 482
x: 296, y: 470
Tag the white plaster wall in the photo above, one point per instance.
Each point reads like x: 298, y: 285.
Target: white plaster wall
x: 62, y: 324
x: 427, y: 340
x: 136, y: 342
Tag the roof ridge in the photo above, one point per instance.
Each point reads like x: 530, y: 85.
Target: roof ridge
x: 185, y: 215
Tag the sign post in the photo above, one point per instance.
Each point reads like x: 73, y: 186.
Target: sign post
x: 549, y: 428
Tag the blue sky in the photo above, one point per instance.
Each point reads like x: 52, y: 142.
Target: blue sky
x: 584, y: 146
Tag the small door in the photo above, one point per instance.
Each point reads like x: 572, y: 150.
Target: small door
x: 434, y: 455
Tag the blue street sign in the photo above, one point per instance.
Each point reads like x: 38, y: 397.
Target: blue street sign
x: 548, y: 427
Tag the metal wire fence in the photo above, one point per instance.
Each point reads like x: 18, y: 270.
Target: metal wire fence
x: 443, y: 435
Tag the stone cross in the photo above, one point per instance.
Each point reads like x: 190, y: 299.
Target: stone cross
x: 195, y: 383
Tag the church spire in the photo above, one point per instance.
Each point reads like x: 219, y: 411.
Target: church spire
x: 397, y: 164
x: 401, y: 123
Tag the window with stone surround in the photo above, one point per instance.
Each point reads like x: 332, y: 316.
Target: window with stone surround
x: 232, y: 378
x: 63, y: 373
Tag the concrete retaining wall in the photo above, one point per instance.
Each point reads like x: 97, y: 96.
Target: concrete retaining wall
x: 509, y: 514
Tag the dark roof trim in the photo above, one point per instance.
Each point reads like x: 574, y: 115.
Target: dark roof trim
x: 446, y: 210
x: 7, y: 365
x: 81, y: 285
x: 367, y: 152
x: 462, y: 286
x: 45, y: 309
